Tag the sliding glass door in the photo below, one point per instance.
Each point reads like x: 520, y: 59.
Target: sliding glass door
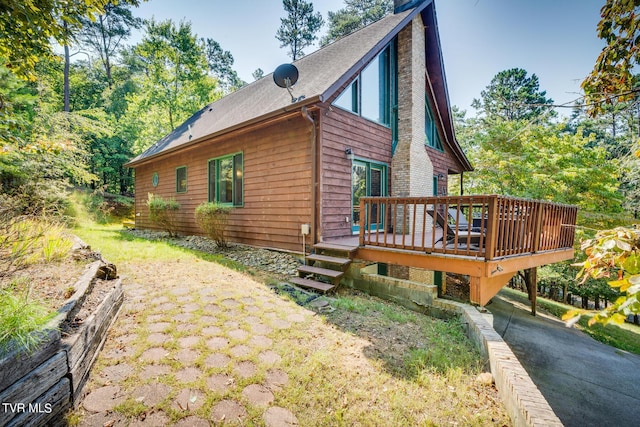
x: 367, y: 180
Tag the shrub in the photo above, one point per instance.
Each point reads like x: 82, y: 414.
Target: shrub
x: 162, y: 213
x: 212, y: 218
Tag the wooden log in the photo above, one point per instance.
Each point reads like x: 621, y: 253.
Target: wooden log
x: 33, y: 385
x: 18, y: 363
x: 81, y: 286
x: 83, y: 347
x: 48, y: 409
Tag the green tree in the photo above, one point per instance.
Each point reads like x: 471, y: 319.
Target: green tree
x: 104, y: 34
x: 28, y: 26
x: 355, y: 15
x: 512, y: 95
x: 174, y: 82
x: 221, y: 65
x: 612, y: 76
x: 298, y: 30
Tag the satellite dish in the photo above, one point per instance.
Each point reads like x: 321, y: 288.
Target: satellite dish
x: 286, y: 75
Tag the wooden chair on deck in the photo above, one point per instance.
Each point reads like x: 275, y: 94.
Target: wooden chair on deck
x: 464, y: 236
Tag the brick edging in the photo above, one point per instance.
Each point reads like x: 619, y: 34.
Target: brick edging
x: 523, y: 400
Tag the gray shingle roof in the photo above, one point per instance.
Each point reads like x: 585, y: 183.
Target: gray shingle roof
x: 320, y: 74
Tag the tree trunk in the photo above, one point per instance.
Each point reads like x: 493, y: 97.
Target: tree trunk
x: 66, y: 107
x: 531, y: 281
x: 107, y: 63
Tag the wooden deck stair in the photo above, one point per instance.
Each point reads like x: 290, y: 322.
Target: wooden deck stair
x: 322, y: 272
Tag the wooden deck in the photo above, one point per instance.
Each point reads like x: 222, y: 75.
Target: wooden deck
x: 489, y: 238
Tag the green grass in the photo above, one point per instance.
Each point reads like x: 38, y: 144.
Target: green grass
x: 625, y: 337
x: 21, y: 322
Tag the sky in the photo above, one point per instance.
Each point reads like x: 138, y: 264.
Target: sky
x: 554, y: 39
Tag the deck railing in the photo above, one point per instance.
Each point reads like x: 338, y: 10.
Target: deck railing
x: 487, y: 226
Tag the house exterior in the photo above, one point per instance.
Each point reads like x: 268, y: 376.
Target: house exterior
x: 370, y: 117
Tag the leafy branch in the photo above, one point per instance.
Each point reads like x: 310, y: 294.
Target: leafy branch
x: 613, y: 254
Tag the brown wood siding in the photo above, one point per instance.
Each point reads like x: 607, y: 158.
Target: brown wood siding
x: 369, y: 141
x: 277, y: 183
x: 443, y: 163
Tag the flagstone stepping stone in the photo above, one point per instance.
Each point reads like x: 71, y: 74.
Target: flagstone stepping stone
x: 238, y: 334
x: 155, y: 318
x: 211, y: 308
x: 252, y: 309
x: 252, y: 320
x: 217, y: 360
x: 296, y: 317
x: 275, y: 379
x: 192, y: 421
x: 229, y: 411
x: 230, y: 303
x: 103, y: 399
x: 151, y: 394
x: 231, y: 324
x: 260, y: 341
x: 183, y: 317
x: 257, y: 395
x: 240, y: 350
x: 160, y: 300
x: 279, y: 417
x: 217, y: 343
x: 248, y: 300
x: 188, y: 342
x: 127, y: 338
x: 154, y: 419
x: 188, y: 375
x: 158, y: 327
x: 188, y: 400
x: 116, y: 373
x: 154, y: 372
x: 211, y: 330
x: 221, y: 383
x: 154, y: 354
x: 158, y: 338
x: 245, y: 369
x: 101, y: 419
x: 266, y: 305
x: 186, y: 328
x: 280, y: 324
x: 208, y: 320
x: 260, y: 328
x: 180, y: 291
x: 187, y: 356
x: 185, y: 298
x: 121, y: 352
x: 164, y: 307
x: 190, y: 307
x: 269, y: 357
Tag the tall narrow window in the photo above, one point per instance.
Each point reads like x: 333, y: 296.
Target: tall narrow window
x: 226, y: 180
x: 372, y: 94
x: 432, y: 138
x: 181, y: 179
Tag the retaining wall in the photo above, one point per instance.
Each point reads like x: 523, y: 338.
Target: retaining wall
x: 38, y: 388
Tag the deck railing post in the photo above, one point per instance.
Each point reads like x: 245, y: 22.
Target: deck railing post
x: 492, y: 228
x: 362, y: 226
x: 537, y: 230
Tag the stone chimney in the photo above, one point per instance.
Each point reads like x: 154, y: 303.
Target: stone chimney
x: 411, y: 167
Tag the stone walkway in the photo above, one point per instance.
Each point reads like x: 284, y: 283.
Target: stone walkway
x: 190, y: 351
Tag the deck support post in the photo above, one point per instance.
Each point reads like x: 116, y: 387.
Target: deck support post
x: 531, y: 280
x: 482, y: 289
